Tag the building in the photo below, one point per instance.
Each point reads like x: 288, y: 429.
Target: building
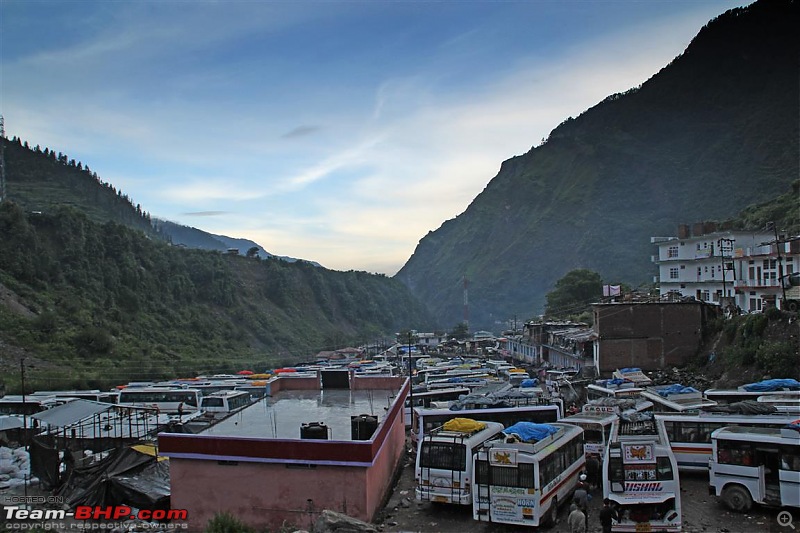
x: 269, y: 477
x: 558, y: 344
x: 733, y: 268
x: 648, y: 335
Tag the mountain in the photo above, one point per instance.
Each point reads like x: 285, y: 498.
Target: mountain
x: 196, y: 238
x: 93, y: 294
x: 712, y: 133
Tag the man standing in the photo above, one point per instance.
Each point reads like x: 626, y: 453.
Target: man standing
x: 576, y: 520
x: 607, y: 516
x: 581, y: 499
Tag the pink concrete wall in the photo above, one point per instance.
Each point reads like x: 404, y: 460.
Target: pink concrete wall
x: 209, y: 475
x: 376, y: 382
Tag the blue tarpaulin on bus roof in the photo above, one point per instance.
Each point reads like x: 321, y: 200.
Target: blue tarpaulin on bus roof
x: 530, y: 432
x: 528, y: 383
x: 773, y: 385
x: 675, y: 389
x: 629, y: 370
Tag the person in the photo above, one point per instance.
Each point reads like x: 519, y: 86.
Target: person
x: 593, y: 472
x: 576, y: 520
x: 581, y: 498
x: 607, y: 516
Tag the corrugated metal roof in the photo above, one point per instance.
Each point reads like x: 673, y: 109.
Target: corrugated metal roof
x: 72, y: 412
x: 10, y: 422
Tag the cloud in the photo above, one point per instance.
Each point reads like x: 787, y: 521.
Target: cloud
x: 206, y: 213
x: 300, y: 131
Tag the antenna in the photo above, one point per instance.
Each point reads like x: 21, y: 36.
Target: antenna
x: 466, y: 303
x: 2, y: 159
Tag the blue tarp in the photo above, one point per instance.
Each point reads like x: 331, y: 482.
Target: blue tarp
x: 773, y: 385
x: 629, y: 370
x: 530, y: 432
x: 617, y: 381
x: 675, y: 389
x: 529, y: 383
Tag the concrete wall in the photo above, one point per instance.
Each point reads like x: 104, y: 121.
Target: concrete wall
x: 648, y: 335
x: 272, y: 483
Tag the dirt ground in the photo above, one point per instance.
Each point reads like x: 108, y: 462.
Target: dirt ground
x: 702, y: 513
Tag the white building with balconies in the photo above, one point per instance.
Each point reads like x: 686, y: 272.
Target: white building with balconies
x: 728, y: 267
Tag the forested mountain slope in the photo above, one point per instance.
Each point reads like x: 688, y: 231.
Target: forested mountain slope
x: 711, y: 134
x: 90, y: 293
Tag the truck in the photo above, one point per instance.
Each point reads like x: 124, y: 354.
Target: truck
x: 791, y: 291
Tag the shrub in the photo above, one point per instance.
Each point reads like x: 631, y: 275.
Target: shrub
x: 779, y: 359
x: 227, y: 523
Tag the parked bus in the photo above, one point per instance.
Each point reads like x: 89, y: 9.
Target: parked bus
x: 171, y: 401
x: 444, y: 463
x: 608, y: 389
x: 226, y: 401
x: 640, y: 477
x: 756, y: 465
x: 597, y: 417
x: 17, y: 405
x: 93, y: 395
x: 786, y: 402
x: 689, y: 435
x: 676, y: 399
x: 728, y: 396
x: 424, y: 398
x: 523, y: 477
x: 427, y: 419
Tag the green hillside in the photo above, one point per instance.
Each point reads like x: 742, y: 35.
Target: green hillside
x: 714, y: 132
x: 91, y: 295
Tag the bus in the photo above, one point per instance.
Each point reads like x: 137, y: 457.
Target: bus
x: 523, y: 477
x: 689, y: 435
x: 640, y: 477
x: 427, y: 419
x: 609, y: 389
x: 676, y: 399
x: 424, y: 398
x: 443, y: 471
x: 21, y: 406
x: 596, y: 418
x: 786, y: 402
x: 756, y: 465
x: 226, y: 401
x: 93, y: 395
x: 728, y: 396
x: 170, y: 401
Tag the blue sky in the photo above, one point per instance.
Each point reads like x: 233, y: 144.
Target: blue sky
x: 335, y: 131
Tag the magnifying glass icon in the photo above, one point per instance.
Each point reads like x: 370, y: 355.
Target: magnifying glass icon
x: 785, y: 519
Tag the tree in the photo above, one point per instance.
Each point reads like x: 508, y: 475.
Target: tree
x: 253, y: 251
x: 573, y: 293
x: 460, y: 331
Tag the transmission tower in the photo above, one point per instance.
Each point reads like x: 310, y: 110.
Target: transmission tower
x: 2, y: 159
x: 466, y: 303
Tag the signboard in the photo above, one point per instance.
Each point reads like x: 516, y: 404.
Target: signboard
x: 637, y: 453
x: 599, y: 409
x: 646, y: 486
x: 503, y: 457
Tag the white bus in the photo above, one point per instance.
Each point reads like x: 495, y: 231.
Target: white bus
x: 524, y: 477
x: 225, y: 401
x: 443, y: 472
x: 94, y: 395
x: 170, y: 401
x: 785, y: 402
x: 606, y: 389
x: 727, y: 396
x: 424, y: 398
x: 689, y: 435
x: 640, y: 477
x: 597, y: 417
x: 756, y: 464
x: 427, y: 419
x: 665, y: 400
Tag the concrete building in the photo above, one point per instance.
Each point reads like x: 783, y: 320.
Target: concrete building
x: 734, y: 268
x: 648, y: 335
x: 259, y: 466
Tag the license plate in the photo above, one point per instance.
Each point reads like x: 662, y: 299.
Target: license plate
x: 643, y: 527
x: 442, y: 499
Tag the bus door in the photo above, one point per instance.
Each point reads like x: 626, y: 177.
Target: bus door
x: 768, y: 460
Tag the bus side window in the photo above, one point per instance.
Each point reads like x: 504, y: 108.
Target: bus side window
x: 790, y: 459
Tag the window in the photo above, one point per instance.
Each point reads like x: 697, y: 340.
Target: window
x: 672, y: 252
x: 734, y: 453
x: 443, y: 455
x: 674, y: 273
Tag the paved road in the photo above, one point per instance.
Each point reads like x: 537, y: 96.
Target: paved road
x: 702, y: 513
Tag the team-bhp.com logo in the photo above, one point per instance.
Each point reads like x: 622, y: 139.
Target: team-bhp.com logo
x: 89, y: 512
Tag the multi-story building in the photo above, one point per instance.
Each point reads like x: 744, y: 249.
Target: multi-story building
x: 736, y: 268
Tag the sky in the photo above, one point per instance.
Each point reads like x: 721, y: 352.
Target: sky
x: 340, y: 132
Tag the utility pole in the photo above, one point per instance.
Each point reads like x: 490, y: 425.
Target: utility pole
x: 2, y: 159
x: 410, y: 379
x: 724, y: 245
x: 778, y: 243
